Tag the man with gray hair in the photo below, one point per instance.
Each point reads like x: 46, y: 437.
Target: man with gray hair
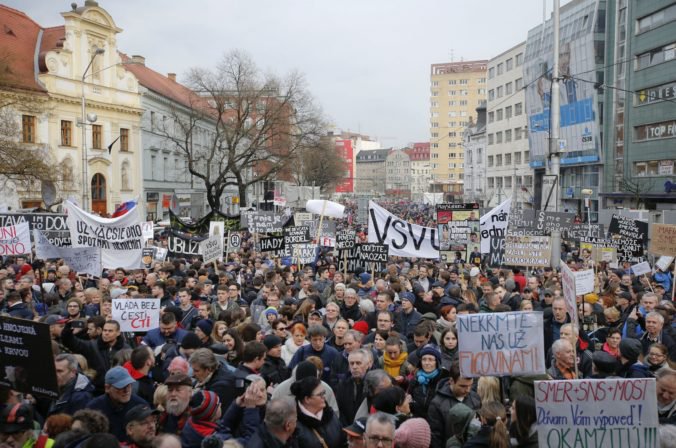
x: 380, y: 430
x: 350, y: 390
x: 278, y: 427
x: 563, y: 364
x: 374, y: 381
x: 654, y: 333
x: 75, y: 388
x: 340, y: 367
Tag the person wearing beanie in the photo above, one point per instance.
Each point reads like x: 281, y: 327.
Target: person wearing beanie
x: 631, y: 359
x: 203, y: 329
x: 462, y: 424
x: 274, y: 369
x: 423, y: 386
x: 413, y: 433
x: 362, y: 327
x: 604, y: 365
x: 409, y: 317
x: 205, y: 411
x: 365, y: 285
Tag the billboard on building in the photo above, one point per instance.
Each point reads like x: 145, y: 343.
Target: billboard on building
x: 344, y: 149
x: 579, y: 131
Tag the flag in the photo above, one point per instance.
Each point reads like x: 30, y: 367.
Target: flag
x: 124, y: 208
x: 110, y: 147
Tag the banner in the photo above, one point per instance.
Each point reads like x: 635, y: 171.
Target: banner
x: 120, y: 239
x: 630, y: 236
x: 403, y: 239
x: 140, y: 314
x: 528, y: 250
x: 201, y: 227
x: 184, y: 245
x: 458, y: 226
x: 52, y: 225
x: 15, y: 240
x: 83, y: 260
x: 617, y: 412
x: 494, y: 225
x: 305, y: 253
x: 211, y: 249
x: 663, y: 239
x: 25, y: 363
x: 499, y: 344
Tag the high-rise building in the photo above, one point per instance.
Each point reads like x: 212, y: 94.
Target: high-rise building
x: 456, y: 89
x: 508, y: 173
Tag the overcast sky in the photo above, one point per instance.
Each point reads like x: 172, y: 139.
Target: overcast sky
x: 367, y: 62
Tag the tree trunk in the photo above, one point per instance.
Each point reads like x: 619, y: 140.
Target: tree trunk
x: 242, y: 194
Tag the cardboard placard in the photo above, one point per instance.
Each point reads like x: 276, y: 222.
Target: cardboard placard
x: 212, y: 249
x: 346, y: 239
x: 664, y: 262
x: 642, y: 268
x: 140, y: 314
x: 15, y: 240
x: 629, y: 236
x: 663, y: 239
x: 305, y: 253
x: 531, y: 251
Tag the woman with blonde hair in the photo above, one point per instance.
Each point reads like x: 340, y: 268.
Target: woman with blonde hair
x: 488, y: 389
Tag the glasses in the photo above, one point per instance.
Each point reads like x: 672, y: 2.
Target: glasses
x: 232, y: 289
x: 321, y: 394
x: 376, y: 440
x: 281, y: 328
x: 657, y: 355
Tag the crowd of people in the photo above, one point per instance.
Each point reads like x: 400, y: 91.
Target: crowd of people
x: 250, y: 352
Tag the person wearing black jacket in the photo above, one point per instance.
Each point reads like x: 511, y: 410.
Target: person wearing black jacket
x: 214, y: 376
x: 349, y: 308
x: 318, y: 426
x: 274, y: 369
x: 279, y: 426
x: 98, y: 352
x: 253, y: 358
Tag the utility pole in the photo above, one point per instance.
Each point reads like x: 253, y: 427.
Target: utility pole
x: 554, y: 156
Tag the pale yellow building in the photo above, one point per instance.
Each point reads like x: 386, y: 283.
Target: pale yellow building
x: 456, y: 89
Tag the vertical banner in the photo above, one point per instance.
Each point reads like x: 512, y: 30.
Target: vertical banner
x: 618, y: 412
x: 501, y: 344
x: 141, y: 314
x: 569, y: 291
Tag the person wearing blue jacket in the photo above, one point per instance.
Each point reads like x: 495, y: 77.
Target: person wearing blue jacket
x: 75, y: 388
x: 167, y: 331
x: 317, y: 347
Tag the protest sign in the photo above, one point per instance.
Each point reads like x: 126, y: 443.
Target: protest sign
x: 301, y: 217
x: 263, y: 222
x: 630, y: 236
x: 403, y: 239
x: 500, y: 344
x: 120, y: 239
x: 458, y: 226
x: 304, y: 253
x: 26, y: 357
x: 140, y: 314
x: 374, y: 256
x: 578, y: 231
x: 494, y: 225
x: 160, y: 254
x: 346, y: 239
x: 297, y: 235
x: 15, y: 240
x: 212, y: 249
x: 527, y: 250
x: 663, y: 239
x: 148, y: 230
x: 328, y: 228
x: 84, y: 260
x: 610, y: 412
x: 234, y: 240
x: 664, y: 262
x: 641, y: 268
x: 496, y: 256
x: 147, y: 257
x: 217, y: 228
x: 180, y: 244
x: 569, y: 291
x: 52, y: 225
x: 271, y: 244
x: 584, y: 282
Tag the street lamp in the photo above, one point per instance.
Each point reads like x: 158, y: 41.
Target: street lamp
x: 587, y: 192
x: 86, y: 118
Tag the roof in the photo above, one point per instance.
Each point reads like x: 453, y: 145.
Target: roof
x: 52, y: 39
x: 373, y: 155
x: 19, y: 36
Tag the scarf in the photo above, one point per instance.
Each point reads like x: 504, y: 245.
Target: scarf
x: 393, y: 366
x: 423, y: 378
x: 606, y: 348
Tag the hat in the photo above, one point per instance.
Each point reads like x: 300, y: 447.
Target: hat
x: 316, y: 313
x: 139, y: 413
x: 527, y: 289
x: 179, y: 365
x: 430, y: 349
x: 305, y: 369
x: 119, y: 377
x: 474, y: 271
x: 605, y: 362
x: 631, y: 349
x: 339, y: 285
x: 413, y: 433
x: 271, y: 341
x: 361, y: 326
x: 547, y: 292
x: 357, y: 428
x: 16, y: 418
x: 364, y: 277
x: 178, y: 378
x: 205, y: 325
x: 591, y: 298
x: 54, y: 319
x: 203, y: 405
x: 270, y: 310
x: 117, y: 292
x: 430, y: 316
x: 407, y: 296
x: 191, y: 341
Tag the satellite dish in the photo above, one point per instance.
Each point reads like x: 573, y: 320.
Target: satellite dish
x: 48, y: 193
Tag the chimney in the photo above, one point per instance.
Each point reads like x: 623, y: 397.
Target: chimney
x: 172, y: 76
x: 138, y: 59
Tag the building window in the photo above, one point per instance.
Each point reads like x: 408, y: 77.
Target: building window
x: 463, y: 102
x: 435, y: 124
x: 491, y: 117
x: 508, y: 88
x: 501, y: 68
x: 452, y: 134
x: 499, y: 115
x: 66, y: 133
x: 452, y: 82
x: 464, y: 82
x: 518, y: 109
x: 435, y: 104
x: 518, y: 84
x: 28, y: 128
x: 481, y: 91
x: 490, y: 161
x: 463, y: 113
x: 491, y: 73
x: 435, y: 93
x: 435, y: 135
x: 656, y: 56
x: 97, y: 136
x: 508, y: 181
x: 124, y: 139
x: 508, y: 159
x: 498, y: 160
x: 517, y: 158
x: 527, y: 181
x: 498, y: 182
x: 499, y: 91
x: 656, y: 19
x: 491, y: 95
x: 490, y: 139
x: 517, y: 133
x: 519, y: 59
x: 452, y: 145
x: 435, y: 145
x: 526, y: 157
x: 508, y: 112
x: 498, y: 137
x: 435, y: 155
x: 491, y: 182
x: 508, y: 135
x: 481, y: 81
x: 452, y: 103
x: 435, y: 83
x: 509, y: 64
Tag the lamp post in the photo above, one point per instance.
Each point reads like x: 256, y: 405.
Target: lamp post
x: 587, y: 192
x: 85, y: 179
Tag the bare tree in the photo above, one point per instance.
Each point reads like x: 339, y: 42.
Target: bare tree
x: 319, y: 165
x: 256, y: 125
x: 637, y: 188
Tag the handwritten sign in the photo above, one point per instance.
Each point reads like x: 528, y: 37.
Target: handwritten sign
x: 374, y: 255
x: 641, y: 268
x: 630, y: 236
x: 85, y: 260
x: 493, y: 225
x: 15, y: 240
x: 142, y: 314
x: 263, y: 222
x: 663, y: 239
x: 271, y: 244
x: 52, y: 225
x: 584, y: 282
x: 569, y: 287
x: 597, y: 413
x: 147, y: 229
x: 501, y: 344
x: 527, y: 250
x: 664, y: 262
x: 296, y: 235
x: 305, y: 253
x: 212, y: 249
x: 345, y: 239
